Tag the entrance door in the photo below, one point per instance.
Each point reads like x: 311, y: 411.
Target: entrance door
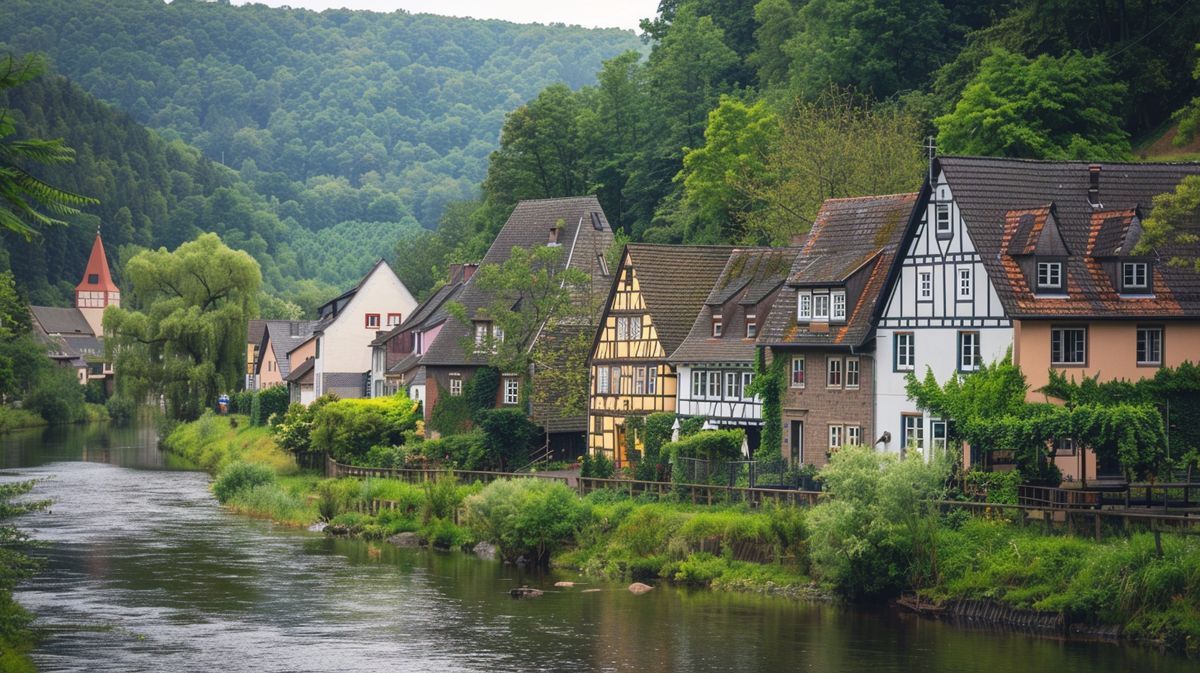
x: 797, y: 442
x: 619, y: 450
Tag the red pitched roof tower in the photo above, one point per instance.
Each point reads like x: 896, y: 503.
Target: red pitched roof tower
x: 97, y: 290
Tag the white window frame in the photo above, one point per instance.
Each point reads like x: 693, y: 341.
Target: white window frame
x: 1143, y: 345
x: 907, y: 349
x: 614, y: 381
x: 1139, y: 272
x: 622, y: 328
x: 970, y: 350
x: 798, y: 360
x: 368, y: 322
x: 937, y: 435
x: 733, y: 388
x: 639, y: 380
x: 635, y: 328
x: 804, y: 306
x: 751, y: 326
x: 836, y: 436
x: 651, y: 380
x: 718, y: 327
x: 837, y: 306
x: 852, y: 375
x: 497, y: 333
x: 966, y: 290
x: 747, y: 379
x: 455, y: 386
x: 714, y: 385
x: 942, y: 225
x: 1060, y: 334
x: 602, y: 380
x: 1049, y: 275
x: 924, y: 285
x: 482, y: 328
x: 512, y: 390
x: 833, y: 366
x: 699, y: 383
x: 820, y: 307
x: 854, y: 435
x: 912, y: 427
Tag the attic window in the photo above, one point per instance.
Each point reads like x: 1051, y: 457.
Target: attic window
x: 553, y: 237
x: 804, y: 306
x: 839, y: 306
x: 602, y: 264
x: 718, y: 327
x: 820, y: 307
x: 1049, y: 276
x: 1135, y: 276
x: 597, y: 223
x: 371, y: 321
x: 93, y: 279
x: 751, y: 326
x: 942, y: 218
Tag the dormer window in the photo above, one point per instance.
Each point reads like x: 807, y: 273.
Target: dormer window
x: 553, y: 241
x: 717, y: 327
x: 1135, y: 276
x: 751, y: 326
x: 804, y: 307
x: 1049, y: 276
x: 821, y: 307
x: 484, y: 329
x: 838, y: 300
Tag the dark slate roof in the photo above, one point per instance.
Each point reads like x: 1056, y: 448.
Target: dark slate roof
x: 994, y: 194
x: 426, y: 315
x: 254, y: 331
x: 406, y: 363
x: 750, y: 276
x: 356, y: 380
x: 529, y: 226
x: 284, y: 336
x: 675, y: 282
x: 54, y: 320
x: 302, y: 371
x: 850, y: 236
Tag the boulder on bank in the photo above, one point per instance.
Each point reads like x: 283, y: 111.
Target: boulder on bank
x: 526, y: 592
x: 485, y: 550
x: 639, y: 588
x: 405, y: 540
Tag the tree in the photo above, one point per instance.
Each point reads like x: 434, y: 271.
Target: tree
x: 838, y: 146
x: 1045, y: 108
x: 182, y: 331
x: 1188, y: 117
x: 776, y: 24
x: 27, y: 202
x: 1174, y: 224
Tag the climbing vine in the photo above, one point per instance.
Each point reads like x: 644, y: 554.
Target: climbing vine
x: 768, y: 386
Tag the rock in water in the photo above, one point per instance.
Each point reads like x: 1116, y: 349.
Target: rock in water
x: 405, y: 540
x: 485, y: 550
x: 564, y: 584
x: 639, y: 588
x: 526, y: 592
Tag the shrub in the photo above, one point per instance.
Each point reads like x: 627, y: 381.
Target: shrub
x: 465, y: 451
x: 710, y: 445
x: 443, y: 534
x: 256, y: 415
x: 270, y: 501
x: 273, y: 401
x: 347, y: 429
x: 240, y: 477
x: 690, y: 426
x: 508, y: 434
x: 451, y: 415
x: 335, y: 496
x: 658, y: 430
x: 530, y: 518
x: 57, y: 397
x: 121, y: 409
x: 442, y: 498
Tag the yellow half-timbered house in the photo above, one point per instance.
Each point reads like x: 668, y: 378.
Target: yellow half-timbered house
x: 657, y: 292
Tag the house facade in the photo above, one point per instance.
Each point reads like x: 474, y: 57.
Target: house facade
x: 347, y: 325
x: 656, y: 294
x: 715, y: 362
x: 278, y: 339
x: 576, y: 225
x: 821, y: 330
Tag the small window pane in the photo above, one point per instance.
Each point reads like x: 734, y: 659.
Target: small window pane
x: 1149, y: 346
x: 1068, y: 346
x: 798, y: 372
x: 833, y: 372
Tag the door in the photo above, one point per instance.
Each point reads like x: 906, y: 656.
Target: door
x: 796, y: 440
x: 619, y: 449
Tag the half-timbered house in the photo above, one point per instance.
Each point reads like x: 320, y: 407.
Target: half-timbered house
x: 655, y: 297
x: 715, y: 362
x: 822, y: 324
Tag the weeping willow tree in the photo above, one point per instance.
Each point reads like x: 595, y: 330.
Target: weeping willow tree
x: 182, y: 333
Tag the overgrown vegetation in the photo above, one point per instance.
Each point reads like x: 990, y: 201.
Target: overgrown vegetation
x: 214, y: 442
x: 15, y: 566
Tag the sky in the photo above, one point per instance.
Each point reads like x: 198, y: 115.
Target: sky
x: 587, y: 13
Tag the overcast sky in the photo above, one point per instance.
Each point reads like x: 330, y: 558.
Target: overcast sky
x: 588, y: 13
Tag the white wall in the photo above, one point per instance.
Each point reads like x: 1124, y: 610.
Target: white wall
x: 748, y: 409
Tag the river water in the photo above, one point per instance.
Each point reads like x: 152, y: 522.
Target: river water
x: 145, y: 572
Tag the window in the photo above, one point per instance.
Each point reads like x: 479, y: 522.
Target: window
x: 798, y: 371
x: 602, y: 264
x: 833, y: 372
x: 1149, y: 345
x: 420, y: 342
x: 751, y: 326
x: 1134, y: 275
x: 629, y: 328
x: 372, y: 321
x: 1068, y: 346
x: 904, y: 358
x: 851, y: 372
x: 615, y: 380
x: 482, y: 329
x: 968, y: 351
x: 803, y: 306
x: 93, y: 279
x: 820, y: 307
x: 942, y: 218
x: 835, y: 437
x: 455, y: 386
x: 651, y: 380
x: 912, y: 429
x: 699, y: 381
x: 937, y: 435
x: 639, y: 380
x: 747, y: 379
x: 964, y: 283
x: 714, y: 385
x: 839, y: 306
x: 1049, y: 275
x: 393, y: 319
x: 497, y: 333
x: 925, y: 286
x: 622, y: 329
x: 512, y: 390
x: 602, y: 380
x: 733, y: 385
x: 854, y: 435
x: 718, y: 327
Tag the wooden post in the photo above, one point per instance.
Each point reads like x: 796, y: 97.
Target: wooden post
x: 1097, y: 522
x: 1158, y: 550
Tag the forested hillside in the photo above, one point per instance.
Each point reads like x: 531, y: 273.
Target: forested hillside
x: 326, y: 110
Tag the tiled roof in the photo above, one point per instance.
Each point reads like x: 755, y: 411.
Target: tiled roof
x: 750, y: 276
x: 284, y: 336
x: 54, y: 320
x: 426, y: 314
x: 302, y: 373
x: 254, y: 331
x: 528, y: 227
x: 675, y: 282
x: 994, y: 194
x: 406, y: 363
x: 859, y: 235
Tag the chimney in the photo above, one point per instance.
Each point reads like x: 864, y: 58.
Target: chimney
x: 468, y: 270
x: 454, y: 273
x: 553, y: 235
x: 1094, y: 186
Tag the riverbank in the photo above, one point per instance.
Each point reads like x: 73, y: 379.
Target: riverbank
x: 21, y: 419
x: 865, y: 545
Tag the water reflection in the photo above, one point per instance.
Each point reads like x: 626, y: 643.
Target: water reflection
x: 146, y: 573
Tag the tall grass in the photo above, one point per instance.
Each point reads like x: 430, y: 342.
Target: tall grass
x: 213, y: 442
x: 15, y: 419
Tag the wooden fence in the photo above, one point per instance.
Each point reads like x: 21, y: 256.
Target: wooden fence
x: 1078, y: 520
x: 335, y: 470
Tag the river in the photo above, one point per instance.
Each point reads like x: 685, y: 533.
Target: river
x: 145, y: 572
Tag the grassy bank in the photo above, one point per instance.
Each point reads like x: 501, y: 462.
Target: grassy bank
x: 874, y: 537
x: 19, y: 419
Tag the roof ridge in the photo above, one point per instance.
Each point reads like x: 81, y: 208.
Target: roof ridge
x: 1081, y: 162
x: 871, y: 197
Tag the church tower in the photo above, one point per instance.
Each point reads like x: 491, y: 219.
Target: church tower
x: 97, y: 290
